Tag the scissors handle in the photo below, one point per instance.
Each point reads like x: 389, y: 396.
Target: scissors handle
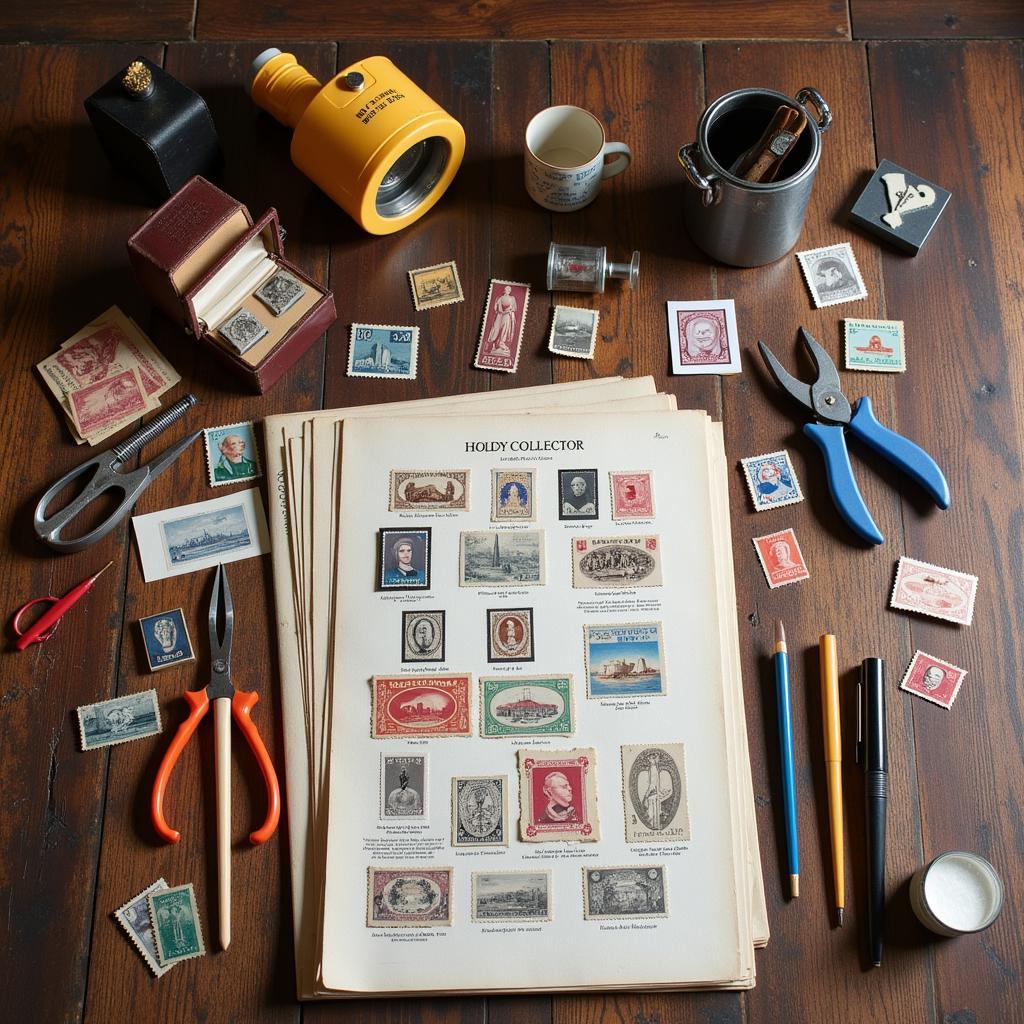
x: 199, y: 704
x: 43, y: 628
x: 241, y: 707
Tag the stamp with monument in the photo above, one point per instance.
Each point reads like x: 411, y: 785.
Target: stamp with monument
x: 383, y: 350
x: 509, y: 634
x: 165, y: 637
x: 421, y: 706
x: 624, y: 660
x: 526, y: 706
x: 426, y: 490
x: 134, y: 918
x: 616, y: 562
x: 654, y: 793
x: 624, y: 892
x: 512, y: 496
x: 511, y: 896
x: 492, y: 558
x: 131, y: 717
x: 632, y: 495
x: 403, y: 786
x: 480, y: 810
x: 501, y: 333
x: 558, y: 795
x: 438, y: 285
x: 423, y: 636
x: 408, y: 897
x: 176, y: 926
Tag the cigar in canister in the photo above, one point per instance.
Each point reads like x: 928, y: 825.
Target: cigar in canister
x: 763, y: 161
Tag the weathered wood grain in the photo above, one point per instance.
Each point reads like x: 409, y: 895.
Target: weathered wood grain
x: 921, y: 19
x: 72, y: 21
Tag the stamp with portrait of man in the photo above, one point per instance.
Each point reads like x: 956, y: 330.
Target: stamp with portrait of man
x: 577, y: 494
x: 781, y: 558
x: 509, y: 634
x: 558, y: 795
x: 933, y: 679
x: 165, y: 637
x: 832, y: 274
x: 403, y: 557
x: 231, y: 453
x: 423, y: 636
x: 703, y: 337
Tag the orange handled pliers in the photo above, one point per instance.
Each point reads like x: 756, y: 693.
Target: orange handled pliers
x: 228, y: 703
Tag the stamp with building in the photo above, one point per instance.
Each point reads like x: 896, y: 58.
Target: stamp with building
x: 383, y: 350
x: 480, y: 810
x: 427, y: 490
x: 421, y: 706
x: 875, y: 345
x: 616, y: 562
x: 408, y: 897
x: 624, y: 892
x: 573, y: 332
x: 624, y: 660
x: 511, y: 896
x: 527, y: 706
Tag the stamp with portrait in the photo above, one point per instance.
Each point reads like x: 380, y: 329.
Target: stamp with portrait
x: 527, y: 706
x: 558, y: 795
x: 654, y: 793
x: 625, y: 660
x: 165, y: 637
x: 509, y: 634
x: 632, y: 494
x: 501, y: 332
x: 771, y: 480
x: 781, y: 558
x: 511, y: 896
x: 427, y: 490
x: 703, y: 337
x: 480, y: 810
x: 624, y: 893
x: 403, y: 557
x: 131, y: 717
x: 408, y: 897
x: 931, y: 590
x: 513, y: 494
x: 832, y: 274
x: 421, y: 706
x: 577, y: 494
x: 134, y: 918
x: 573, y: 332
x: 438, y: 285
x: 423, y: 636
x: 616, y: 562
x: 933, y: 679
x: 403, y: 786
x: 875, y: 345
x: 383, y: 350
x: 231, y: 454
x: 495, y: 558
x: 176, y: 927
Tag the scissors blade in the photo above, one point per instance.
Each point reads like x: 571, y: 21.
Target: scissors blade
x: 827, y: 399
x: 160, y: 462
x: 220, y: 645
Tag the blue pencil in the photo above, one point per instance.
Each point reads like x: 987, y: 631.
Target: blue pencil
x: 781, y: 661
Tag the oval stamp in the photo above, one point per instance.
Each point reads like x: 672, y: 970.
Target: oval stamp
x: 616, y: 562
x: 875, y: 345
x: 421, y: 706
x: 509, y: 634
x: 426, y: 490
x: 527, y: 706
x: 654, y: 792
x: 511, y: 896
x: 931, y: 590
x: 558, y: 795
x: 408, y: 897
x: 423, y: 636
x: 626, y: 892
x: 480, y: 810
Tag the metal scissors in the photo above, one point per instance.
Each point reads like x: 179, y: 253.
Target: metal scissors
x: 825, y: 400
x: 107, y: 476
x: 228, y: 703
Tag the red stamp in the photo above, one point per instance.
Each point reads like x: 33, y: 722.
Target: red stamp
x: 632, y: 495
x: 558, y: 795
x: 933, y: 679
x: 501, y: 334
x: 931, y: 590
x: 781, y: 558
x: 703, y: 337
x: 408, y: 897
x: 99, y: 407
x: 421, y: 706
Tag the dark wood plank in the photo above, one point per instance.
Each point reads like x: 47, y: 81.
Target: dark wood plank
x: 963, y: 291
x: 527, y: 19
x: 71, y: 21
x: 922, y: 19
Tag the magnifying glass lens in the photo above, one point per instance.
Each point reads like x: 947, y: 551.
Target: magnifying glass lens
x: 412, y: 177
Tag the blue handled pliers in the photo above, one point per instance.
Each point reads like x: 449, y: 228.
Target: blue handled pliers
x: 827, y: 403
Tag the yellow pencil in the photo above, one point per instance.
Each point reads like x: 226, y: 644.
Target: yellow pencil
x: 833, y: 762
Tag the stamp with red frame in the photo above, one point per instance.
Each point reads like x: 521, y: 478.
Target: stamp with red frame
x: 933, y: 679
x: 558, y: 795
x: 632, y: 495
x: 703, y: 337
x: 408, y: 897
x: 501, y: 333
x: 421, y: 706
x: 105, y: 404
x: 781, y: 558
x: 931, y: 590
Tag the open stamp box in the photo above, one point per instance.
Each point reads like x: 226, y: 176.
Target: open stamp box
x: 203, y: 261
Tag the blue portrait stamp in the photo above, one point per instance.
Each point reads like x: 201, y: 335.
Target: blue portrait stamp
x: 771, y: 480
x: 875, y: 345
x: 231, y: 453
x: 130, y: 717
x: 165, y: 637
x: 625, y: 660
x: 404, y: 558
x: 378, y: 350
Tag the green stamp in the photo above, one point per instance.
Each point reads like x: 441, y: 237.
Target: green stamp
x: 526, y: 706
x: 176, y: 924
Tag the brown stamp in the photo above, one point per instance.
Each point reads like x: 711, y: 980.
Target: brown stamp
x: 616, y: 562
x: 421, y: 706
x: 501, y: 333
x: 426, y: 490
x: 781, y: 558
x: 408, y: 897
x: 438, y: 285
x: 632, y: 495
x: 931, y: 590
x: 509, y: 634
x: 558, y: 795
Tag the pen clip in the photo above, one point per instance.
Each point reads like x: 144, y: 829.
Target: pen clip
x: 858, y: 754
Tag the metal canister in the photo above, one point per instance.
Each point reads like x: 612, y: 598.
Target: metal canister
x: 744, y: 223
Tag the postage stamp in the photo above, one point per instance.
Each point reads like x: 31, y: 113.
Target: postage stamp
x: 654, y: 793
x: 781, y: 558
x: 280, y: 293
x: 132, y: 717
x: 558, y: 795
x: 204, y: 534
x: 577, y: 494
x: 703, y: 337
x: 404, y: 559
x: 166, y: 640
x: 573, y: 332
x: 423, y: 636
x: 491, y: 558
x: 627, y: 892
x: 231, y: 453
x: 933, y: 679
x: 403, y: 786
x: 511, y: 896
x: 513, y: 493
x: 771, y: 480
x: 176, y: 925
x: 480, y: 810
x: 931, y: 590
x: 509, y: 634
x: 383, y: 350
x: 616, y: 562
x: 624, y: 660
x: 408, y: 897
x: 134, y: 918
x: 421, y: 706
x: 501, y: 333
x: 632, y: 494
x: 242, y: 330
x: 527, y: 706
x: 438, y: 285
x: 98, y: 407
x: 832, y: 274
x: 424, y: 491
x: 875, y: 345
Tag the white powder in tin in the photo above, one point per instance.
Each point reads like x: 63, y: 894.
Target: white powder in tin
x: 961, y: 893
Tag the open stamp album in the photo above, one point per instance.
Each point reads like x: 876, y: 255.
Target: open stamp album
x: 513, y: 711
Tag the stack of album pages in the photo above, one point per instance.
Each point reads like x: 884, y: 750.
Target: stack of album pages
x: 512, y: 701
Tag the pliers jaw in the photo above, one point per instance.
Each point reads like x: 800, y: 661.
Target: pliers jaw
x: 824, y: 399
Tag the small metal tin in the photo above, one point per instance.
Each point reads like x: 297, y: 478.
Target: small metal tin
x: 956, y: 894
x: 280, y: 293
x: 242, y: 330
x: 586, y: 268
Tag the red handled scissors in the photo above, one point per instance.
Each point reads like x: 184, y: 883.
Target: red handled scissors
x: 43, y: 628
x: 228, y: 703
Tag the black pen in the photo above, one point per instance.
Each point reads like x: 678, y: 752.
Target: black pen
x: 873, y: 755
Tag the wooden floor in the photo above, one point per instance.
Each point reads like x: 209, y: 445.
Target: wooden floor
x: 942, y: 94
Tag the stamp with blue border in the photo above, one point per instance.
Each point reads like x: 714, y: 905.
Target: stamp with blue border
x: 166, y: 639
x: 771, y: 480
x: 624, y: 660
x: 383, y: 350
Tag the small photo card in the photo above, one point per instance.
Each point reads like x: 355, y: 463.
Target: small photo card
x: 231, y: 453
x: 933, y: 679
x: 501, y: 333
x: 771, y: 480
x: 131, y: 717
x: 931, y: 590
x: 703, y: 337
x: 781, y: 558
x: 832, y: 274
x: 404, y: 558
x: 438, y: 285
x: 382, y: 350
x: 875, y: 345
x: 573, y: 332
x: 165, y: 636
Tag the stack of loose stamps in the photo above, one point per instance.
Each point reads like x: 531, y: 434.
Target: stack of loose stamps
x: 106, y: 376
x: 163, y: 925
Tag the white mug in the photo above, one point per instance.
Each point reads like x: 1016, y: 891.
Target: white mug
x: 565, y: 151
